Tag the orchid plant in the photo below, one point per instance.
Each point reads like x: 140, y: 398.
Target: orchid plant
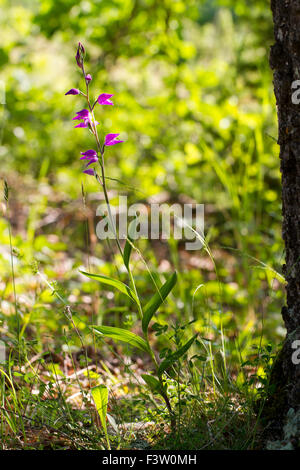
x: 93, y: 157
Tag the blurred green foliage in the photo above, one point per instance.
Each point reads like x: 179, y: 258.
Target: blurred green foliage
x: 194, y: 102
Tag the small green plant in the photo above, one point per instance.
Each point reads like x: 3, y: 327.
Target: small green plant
x: 156, y: 382
x: 100, y: 396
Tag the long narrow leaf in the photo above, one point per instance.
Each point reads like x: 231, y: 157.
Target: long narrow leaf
x: 175, y: 356
x: 100, y: 397
x: 158, y: 298
x: 112, y: 282
x: 154, y: 384
x: 119, y: 334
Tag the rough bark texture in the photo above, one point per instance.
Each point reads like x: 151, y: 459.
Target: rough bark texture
x: 285, y: 62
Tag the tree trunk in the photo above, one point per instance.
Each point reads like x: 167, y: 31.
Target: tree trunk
x: 285, y: 62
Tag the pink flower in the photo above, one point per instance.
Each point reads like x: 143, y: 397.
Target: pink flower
x: 89, y: 172
x: 88, y: 77
x: 94, y: 160
x: 84, y: 124
x: 85, y: 116
x: 110, y: 139
x: 88, y: 154
x: 104, y: 99
x: 73, y: 91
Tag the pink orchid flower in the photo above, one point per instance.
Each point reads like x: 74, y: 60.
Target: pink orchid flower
x: 89, y: 172
x: 104, y: 98
x: 110, y: 139
x: 85, y: 116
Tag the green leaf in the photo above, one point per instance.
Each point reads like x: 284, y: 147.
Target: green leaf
x: 100, y: 397
x: 157, y: 300
x: 199, y: 357
x: 153, y: 383
x: 128, y: 244
x: 175, y: 356
x: 112, y: 282
x: 119, y: 334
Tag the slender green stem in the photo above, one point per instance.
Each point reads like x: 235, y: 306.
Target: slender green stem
x: 13, y: 270
x: 101, y: 150
x: 101, y: 163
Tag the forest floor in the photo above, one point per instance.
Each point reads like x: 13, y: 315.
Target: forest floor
x: 51, y: 364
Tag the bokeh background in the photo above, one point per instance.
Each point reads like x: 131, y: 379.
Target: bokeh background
x: 194, y: 103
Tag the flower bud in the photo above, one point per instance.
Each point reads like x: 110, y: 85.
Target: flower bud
x: 80, y: 55
x: 73, y: 91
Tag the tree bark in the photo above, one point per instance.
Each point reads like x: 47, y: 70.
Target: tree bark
x: 285, y: 63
